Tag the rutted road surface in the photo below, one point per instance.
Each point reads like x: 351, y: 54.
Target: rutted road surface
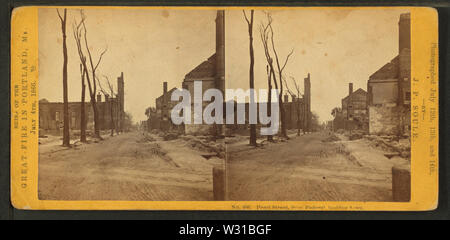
x: 125, y: 167
x: 306, y: 169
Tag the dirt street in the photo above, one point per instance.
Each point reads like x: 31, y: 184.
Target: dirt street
x: 125, y: 167
x: 306, y: 169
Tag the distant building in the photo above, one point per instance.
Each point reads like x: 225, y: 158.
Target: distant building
x: 159, y: 118
x: 329, y: 125
x: 354, y: 109
x: 338, y: 120
x: 51, y: 113
x: 389, y: 89
x: 352, y: 115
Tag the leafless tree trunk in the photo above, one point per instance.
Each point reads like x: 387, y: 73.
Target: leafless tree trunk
x: 251, y: 73
x: 305, y: 116
x: 118, y: 116
x: 82, y: 107
x: 266, y: 32
x: 92, y: 85
x: 66, y: 134
x: 280, y: 77
x: 269, y: 98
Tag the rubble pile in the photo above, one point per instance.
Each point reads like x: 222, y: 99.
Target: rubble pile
x: 205, y: 143
x: 234, y: 139
x: 145, y: 138
x: 170, y: 136
x: 354, y: 135
x: 331, y: 138
x: 166, y: 136
x: 392, y: 144
x: 154, y: 131
x: 340, y: 131
x: 156, y: 150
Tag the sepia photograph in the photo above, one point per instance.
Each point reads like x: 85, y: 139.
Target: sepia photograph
x: 225, y: 105
x: 343, y: 80
x: 105, y: 82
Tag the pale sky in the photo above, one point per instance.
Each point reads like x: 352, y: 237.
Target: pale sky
x: 152, y: 46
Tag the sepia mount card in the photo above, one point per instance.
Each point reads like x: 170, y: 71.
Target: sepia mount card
x: 224, y: 108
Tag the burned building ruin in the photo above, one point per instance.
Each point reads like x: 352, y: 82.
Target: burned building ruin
x: 352, y: 115
x: 51, y: 120
x: 212, y: 75
x: 298, y: 110
x: 389, y: 89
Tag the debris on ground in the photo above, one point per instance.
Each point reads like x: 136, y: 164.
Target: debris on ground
x: 206, y: 144
x: 156, y: 150
x: 145, y: 138
x: 340, y: 131
x: 354, y: 135
x: 392, y: 145
x: 331, y: 138
x: 170, y: 136
x: 391, y: 155
x: 149, y: 138
x: 154, y: 131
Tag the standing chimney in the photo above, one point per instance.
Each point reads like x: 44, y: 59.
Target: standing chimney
x: 99, y: 97
x: 350, y: 88
x: 164, y: 88
x: 220, y: 51
x: 120, y: 101
x: 404, y: 31
x: 164, y: 98
x: 307, y: 101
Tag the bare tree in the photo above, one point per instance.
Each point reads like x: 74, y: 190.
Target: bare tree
x: 82, y: 107
x: 298, y: 106
x: 267, y: 36
x: 77, y: 31
x: 264, y: 34
x: 251, y: 72
x: 80, y: 32
x: 269, y: 98
x: 280, y: 77
x: 113, y: 98
x: 66, y: 134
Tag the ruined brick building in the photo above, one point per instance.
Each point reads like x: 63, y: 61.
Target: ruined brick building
x: 354, y: 109
x: 299, y: 108
x: 159, y: 117
x: 352, y: 115
x: 338, y: 119
x: 385, y: 108
x: 389, y: 89
x: 51, y: 113
x: 212, y: 75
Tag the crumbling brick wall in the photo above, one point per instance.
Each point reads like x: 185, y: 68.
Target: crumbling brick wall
x: 383, y: 120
